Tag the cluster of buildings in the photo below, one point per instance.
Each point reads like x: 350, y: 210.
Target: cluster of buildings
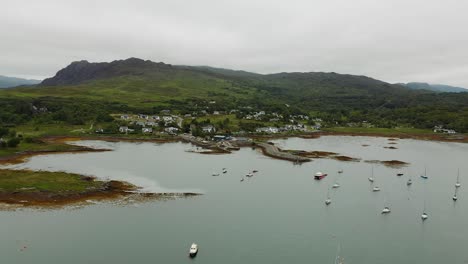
x: 441, y: 129
x: 286, y: 128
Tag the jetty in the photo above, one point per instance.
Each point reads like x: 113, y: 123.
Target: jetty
x: 273, y: 151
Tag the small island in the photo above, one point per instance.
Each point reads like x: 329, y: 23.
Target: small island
x: 26, y: 188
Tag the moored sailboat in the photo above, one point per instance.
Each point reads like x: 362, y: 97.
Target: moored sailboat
x: 458, y: 184
x: 328, y: 200
x: 424, y: 176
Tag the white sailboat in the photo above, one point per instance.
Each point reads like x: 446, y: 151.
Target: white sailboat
x: 386, y: 209
x: 458, y: 184
x: 328, y: 200
x: 371, y: 178
x: 375, y: 188
x: 338, y: 258
x: 424, y: 215
x: 455, y: 197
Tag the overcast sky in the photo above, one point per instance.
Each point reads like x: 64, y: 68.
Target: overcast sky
x: 391, y: 40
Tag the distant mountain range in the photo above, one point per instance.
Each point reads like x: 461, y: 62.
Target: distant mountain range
x: 434, y: 87
x: 7, y: 82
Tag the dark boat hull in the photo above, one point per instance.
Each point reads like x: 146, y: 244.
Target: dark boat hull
x: 320, y: 177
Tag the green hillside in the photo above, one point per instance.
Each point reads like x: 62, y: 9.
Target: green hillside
x: 86, y: 91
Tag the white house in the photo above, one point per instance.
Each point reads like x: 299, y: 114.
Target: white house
x: 147, y: 130
x: 171, y: 130
x: 269, y: 130
x: 208, y: 129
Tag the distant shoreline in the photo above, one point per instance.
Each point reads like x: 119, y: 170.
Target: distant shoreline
x: 22, y: 156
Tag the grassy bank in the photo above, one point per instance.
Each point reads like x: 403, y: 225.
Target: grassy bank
x: 44, y: 181
x: 378, y: 130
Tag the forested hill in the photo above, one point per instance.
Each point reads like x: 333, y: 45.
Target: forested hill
x: 435, y: 87
x: 6, y: 82
x: 147, y: 86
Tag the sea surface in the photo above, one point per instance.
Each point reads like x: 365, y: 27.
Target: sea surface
x: 277, y: 216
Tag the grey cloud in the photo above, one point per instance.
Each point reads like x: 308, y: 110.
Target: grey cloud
x: 395, y: 40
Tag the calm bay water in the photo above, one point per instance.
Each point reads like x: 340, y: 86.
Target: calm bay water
x: 278, y: 216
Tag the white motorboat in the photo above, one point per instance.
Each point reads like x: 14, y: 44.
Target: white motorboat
x: 424, y: 216
x: 250, y: 174
x: 336, y: 185
x: 376, y: 189
x: 386, y: 210
x: 371, y: 179
x: 193, y: 250
x: 458, y: 184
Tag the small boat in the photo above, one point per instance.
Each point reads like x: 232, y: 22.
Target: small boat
x: 386, y: 210
x: 458, y: 184
x: 254, y: 171
x: 424, y: 176
x: 215, y: 174
x: 424, y: 216
x: 224, y: 170
x: 320, y: 175
x: 250, y: 174
x: 328, y: 200
x: 340, y: 171
x: 338, y: 258
x: 376, y: 189
x: 193, y: 250
x: 336, y: 185
x: 409, y: 182
x: 455, y: 198
x: 371, y: 178
x: 242, y: 180
x: 399, y: 174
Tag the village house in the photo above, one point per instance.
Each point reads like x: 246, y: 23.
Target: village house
x: 440, y: 129
x: 208, y: 129
x: 143, y: 116
x: 268, y: 130
x: 168, y: 118
x: 124, y: 117
x: 147, y: 130
x: 157, y: 118
x: 171, y: 130
x: 151, y: 123
x: 125, y: 129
